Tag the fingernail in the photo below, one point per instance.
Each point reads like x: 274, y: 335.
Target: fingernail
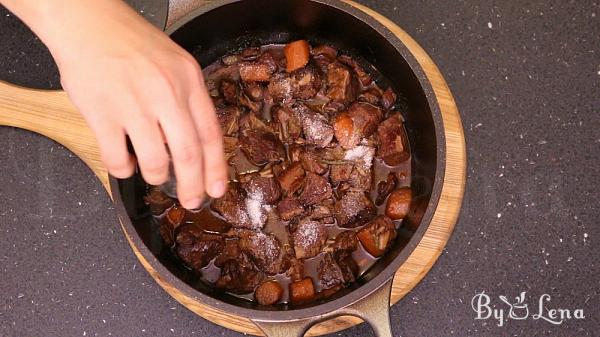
x: 217, y: 189
x: 193, y: 203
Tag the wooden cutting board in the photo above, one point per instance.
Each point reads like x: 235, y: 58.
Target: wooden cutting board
x: 51, y: 114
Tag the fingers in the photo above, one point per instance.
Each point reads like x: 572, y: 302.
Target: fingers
x: 150, y: 150
x: 209, y: 132
x: 113, y: 149
x: 187, y: 157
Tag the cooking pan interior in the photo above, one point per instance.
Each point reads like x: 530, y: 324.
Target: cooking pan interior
x: 240, y: 24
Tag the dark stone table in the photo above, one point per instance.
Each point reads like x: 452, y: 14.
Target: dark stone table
x: 527, y: 82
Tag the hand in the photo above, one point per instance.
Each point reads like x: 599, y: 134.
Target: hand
x: 128, y: 78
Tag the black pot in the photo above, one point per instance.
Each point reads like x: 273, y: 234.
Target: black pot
x: 225, y: 25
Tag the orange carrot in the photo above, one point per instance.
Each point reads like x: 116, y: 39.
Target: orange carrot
x: 296, y: 54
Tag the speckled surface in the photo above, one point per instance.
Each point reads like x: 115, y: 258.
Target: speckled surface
x: 527, y: 81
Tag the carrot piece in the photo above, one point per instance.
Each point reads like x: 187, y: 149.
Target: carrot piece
x: 296, y: 54
x: 302, y: 291
x: 268, y: 293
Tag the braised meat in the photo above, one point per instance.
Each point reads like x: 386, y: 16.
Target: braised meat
x: 354, y: 209
x: 315, y: 126
x: 196, y: 248
x: 342, y: 86
x: 292, y: 178
x: 264, y: 188
x: 385, y: 187
x: 377, y: 236
x: 289, y: 208
x: 264, y: 250
x: 316, y: 189
x: 229, y: 119
x: 393, y: 142
x: 314, y: 141
x: 308, y: 238
x: 158, y: 201
x: 262, y: 147
x: 238, y: 277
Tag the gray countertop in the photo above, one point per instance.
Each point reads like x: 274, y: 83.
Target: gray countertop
x: 526, y: 79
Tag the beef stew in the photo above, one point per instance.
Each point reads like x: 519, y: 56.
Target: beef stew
x: 315, y: 147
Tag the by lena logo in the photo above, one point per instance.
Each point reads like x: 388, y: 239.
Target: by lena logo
x: 519, y: 309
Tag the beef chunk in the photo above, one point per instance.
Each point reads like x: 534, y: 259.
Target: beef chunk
x: 238, y: 278
x: 324, y: 212
x: 385, y: 187
x: 231, y: 251
x: 371, y: 96
x: 232, y: 207
x: 291, y: 179
x: 306, y: 82
x: 347, y: 265
x: 316, y: 189
x: 281, y: 88
x: 398, y: 203
x: 358, y: 122
x: 308, y: 238
x: 261, y: 147
x: 265, y: 187
x: 255, y: 72
x: 388, y: 99
x: 310, y: 161
x: 229, y: 90
x: 361, y: 178
x: 268, y: 293
x: 364, y: 78
x: 251, y: 122
x: 354, y: 209
x: 393, y: 142
x: 302, y: 291
x: 296, y: 270
x: 229, y: 119
x: 329, y: 273
x: 158, y: 201
x: 317, y: 130
x: 340, y: 173
x: 254, y: 91
x: 231, y: 59
x: 259, y: 70
x: 365, y: 117
x: 289, y: 208
x: 263, y: 249
x: 342, y: 86
x: 195, y: 247
x: 290, y: 125
x: 346, y: 240
x: 326, y: 51
x: 378, y: 235
x: 170, y: 222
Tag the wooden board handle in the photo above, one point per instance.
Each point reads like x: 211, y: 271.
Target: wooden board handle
x: 51, y: 113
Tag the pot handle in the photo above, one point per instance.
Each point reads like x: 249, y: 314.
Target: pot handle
x: 373, y: 309
x: 179, y: 8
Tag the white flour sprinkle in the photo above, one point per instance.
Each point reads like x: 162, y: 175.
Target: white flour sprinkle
x: 362, y: 153
x: 254, y: 207
x: 307, y: 234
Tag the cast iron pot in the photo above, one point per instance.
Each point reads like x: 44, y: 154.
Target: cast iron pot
x: 223, y: 26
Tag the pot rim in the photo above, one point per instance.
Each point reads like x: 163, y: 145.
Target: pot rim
x: 384, y: 275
